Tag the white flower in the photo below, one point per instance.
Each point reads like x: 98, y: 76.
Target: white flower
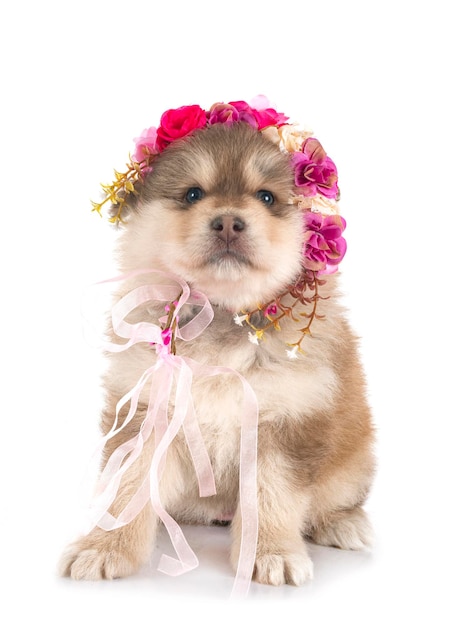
x: 253, y: 338
x: 293, y: 353
x: 288, y: 137
x: 323, y: 205
x: 239, y: 319
x: 292, y: 137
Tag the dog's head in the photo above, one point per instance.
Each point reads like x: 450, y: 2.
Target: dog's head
x: 217, y: 210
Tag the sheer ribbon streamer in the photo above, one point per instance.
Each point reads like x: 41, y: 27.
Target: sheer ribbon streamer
x: 170, y: 372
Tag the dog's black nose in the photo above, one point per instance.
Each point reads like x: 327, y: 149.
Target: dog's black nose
x: 228, y: 227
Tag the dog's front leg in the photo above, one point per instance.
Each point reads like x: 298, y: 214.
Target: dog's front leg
x: 120, y: 552
x: 282, y: 555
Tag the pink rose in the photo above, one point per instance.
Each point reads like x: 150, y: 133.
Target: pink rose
x: 221, y: 113
x: 177, y: 123
x: 314, y: 171
x: 145, y: 144
x: 324, y: 247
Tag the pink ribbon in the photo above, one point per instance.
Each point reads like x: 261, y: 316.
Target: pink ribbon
x: 168, y: 370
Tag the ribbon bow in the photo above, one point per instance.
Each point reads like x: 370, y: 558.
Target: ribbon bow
x: 170, y: 369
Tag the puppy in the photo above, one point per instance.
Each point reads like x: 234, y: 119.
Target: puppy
x: 217, y: 210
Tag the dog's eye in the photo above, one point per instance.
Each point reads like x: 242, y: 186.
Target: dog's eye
x: 194, y: 194
x: 265, y: 196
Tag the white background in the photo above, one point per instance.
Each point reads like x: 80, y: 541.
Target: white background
x: 79, y: 81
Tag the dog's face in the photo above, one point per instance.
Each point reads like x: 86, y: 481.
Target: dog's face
x: 216, y: 211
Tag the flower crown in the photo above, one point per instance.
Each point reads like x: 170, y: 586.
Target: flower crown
x: 315, y: 190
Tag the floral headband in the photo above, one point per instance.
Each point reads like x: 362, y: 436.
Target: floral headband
x: 315, y: 190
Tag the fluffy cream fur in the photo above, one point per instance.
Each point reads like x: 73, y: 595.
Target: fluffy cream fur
x: 315, y: 461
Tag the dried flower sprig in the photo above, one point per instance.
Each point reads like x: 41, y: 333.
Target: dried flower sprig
x: 276, y: 310
x: 124, y: 184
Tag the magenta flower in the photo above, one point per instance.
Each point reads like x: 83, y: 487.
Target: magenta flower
x: 245, y: 113
x: 314, y: 171
x: 271, y: 310
x: 265, y: 114
x: 324, y: 247
x: 259, y: 116
x: 269, y: 117
x: 145, y: 144
x: 177, y: 123
x: 221, y: 113
x: 166, y: 336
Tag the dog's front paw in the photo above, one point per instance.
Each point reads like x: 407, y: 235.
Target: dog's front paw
x: 107, y: 554
x: 95, y: 563
x: 278, y: 569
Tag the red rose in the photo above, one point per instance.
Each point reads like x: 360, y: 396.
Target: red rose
x: 177, y: 123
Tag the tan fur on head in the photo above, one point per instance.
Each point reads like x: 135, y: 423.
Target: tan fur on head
x: 230, y: 241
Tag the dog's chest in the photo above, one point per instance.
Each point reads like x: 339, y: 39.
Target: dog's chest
x: 283, y: 387
x: 230, y: 365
